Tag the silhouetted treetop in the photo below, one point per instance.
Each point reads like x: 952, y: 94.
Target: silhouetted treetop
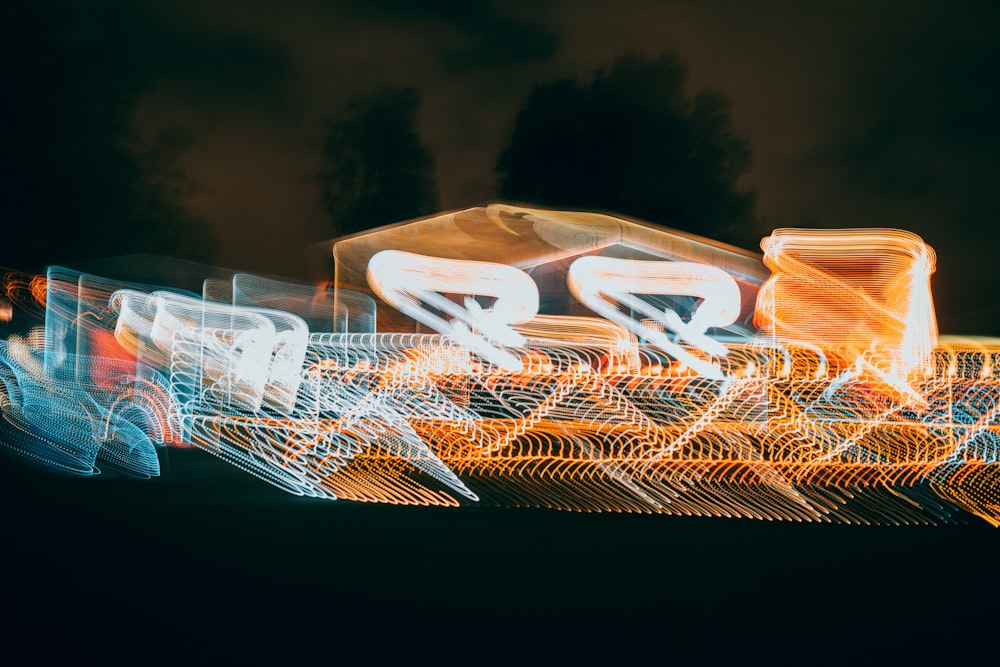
x: 633, y: 141
x: 375, y: 170
x: 78, y: 182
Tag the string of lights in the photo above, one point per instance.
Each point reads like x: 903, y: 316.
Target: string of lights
x: 520, y: 357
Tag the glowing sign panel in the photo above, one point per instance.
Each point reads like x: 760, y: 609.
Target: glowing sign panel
x: 843, y: 404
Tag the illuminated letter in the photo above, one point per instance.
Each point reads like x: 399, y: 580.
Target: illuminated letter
x: 409, y: 282
x: 600, y: 282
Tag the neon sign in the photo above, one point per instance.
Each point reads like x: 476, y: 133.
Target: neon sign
x: 524, y: 357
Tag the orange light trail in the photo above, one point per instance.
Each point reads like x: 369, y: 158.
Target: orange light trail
x: 524, y: 357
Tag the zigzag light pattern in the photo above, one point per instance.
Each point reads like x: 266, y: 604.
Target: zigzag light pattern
x: 531, y: 358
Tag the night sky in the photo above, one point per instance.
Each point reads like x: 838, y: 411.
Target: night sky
x: 210, y: 118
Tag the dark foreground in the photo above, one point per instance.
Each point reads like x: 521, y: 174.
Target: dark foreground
x: 209, y: 565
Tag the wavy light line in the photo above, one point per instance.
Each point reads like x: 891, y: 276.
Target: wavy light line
x: 574, y: 360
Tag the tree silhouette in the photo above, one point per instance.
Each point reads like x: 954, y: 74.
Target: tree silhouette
x: 78, y: 183
x: 632, y: 141
x: 375, y: 170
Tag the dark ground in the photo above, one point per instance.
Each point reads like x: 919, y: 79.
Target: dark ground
x: 210, y: 565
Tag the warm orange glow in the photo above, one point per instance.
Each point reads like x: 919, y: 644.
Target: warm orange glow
x: 861, y: 294
x: 524, y: 357
x: 23, y: 292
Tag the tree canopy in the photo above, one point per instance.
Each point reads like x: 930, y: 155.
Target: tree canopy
x: 375, y: 170
x: 632, y: 141
x: 78, y: 183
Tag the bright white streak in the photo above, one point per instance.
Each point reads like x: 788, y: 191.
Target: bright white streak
x: 601, y: 282
x: 408, y: 282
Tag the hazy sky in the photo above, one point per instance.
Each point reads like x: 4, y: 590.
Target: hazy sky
x: 860, y: 113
